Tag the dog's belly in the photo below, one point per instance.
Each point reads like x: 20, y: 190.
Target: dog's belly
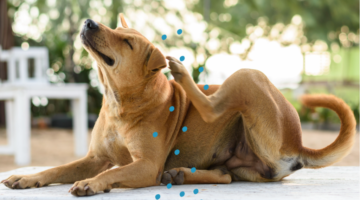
x: 205, y: 145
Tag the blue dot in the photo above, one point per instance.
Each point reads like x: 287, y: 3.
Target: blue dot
x: 193, y: 170
x: 163, y: 37
x: 184, y: 129
x: 172, y: 108
x: 182, y: 58
x: 155, y: 134
x: 201, y: 69
x: 157, y: 196
x: 179, y: 31
x: 169, y: 185
x: 177, y: 151
x: 196, y: 191
x: 182, y: 193
x: 206, y: 87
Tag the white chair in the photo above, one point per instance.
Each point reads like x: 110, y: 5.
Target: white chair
x: 20, y: 88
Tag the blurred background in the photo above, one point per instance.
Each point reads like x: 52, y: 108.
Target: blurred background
x: 303, y: 46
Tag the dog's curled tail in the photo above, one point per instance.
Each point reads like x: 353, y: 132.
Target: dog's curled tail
x: 344, y: 142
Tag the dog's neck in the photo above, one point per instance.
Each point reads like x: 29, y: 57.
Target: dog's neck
x: 133, y: 102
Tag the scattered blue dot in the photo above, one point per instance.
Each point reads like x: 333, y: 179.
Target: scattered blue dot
x: 193, y: 170
x: 206, y: 87
x: 179, y: 31
x: 177, y: 151
x: 182, y: 58
x: 155, y: 134
x: 157, y: 196
x: 196, y: 191
x: 201, y: 69
x: 182, y: 193
x: 169, y: 185
x: 172, y: 108
x: 163, y: 37
x: 184, y: 129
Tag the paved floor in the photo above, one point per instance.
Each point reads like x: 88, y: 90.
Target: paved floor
x: 328, y: 183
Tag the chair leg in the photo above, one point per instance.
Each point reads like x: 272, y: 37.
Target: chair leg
x: 22, y: 129
x: 10, y: 132
x: 79, y: 107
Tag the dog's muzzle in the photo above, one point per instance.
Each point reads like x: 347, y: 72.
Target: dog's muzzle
x: 90, y: 25
x: 86, y: 35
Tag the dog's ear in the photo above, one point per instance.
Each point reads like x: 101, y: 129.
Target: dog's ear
x: 156, y: 60
x: 123, y: 22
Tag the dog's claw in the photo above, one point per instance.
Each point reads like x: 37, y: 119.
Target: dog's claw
x: 179, y: 179
x: 86, y: 188
x: 6, y: 183
x: 73, y: 188
x: 107, y: 191
x: 173, y: 173
x: 173, y: 176
x: 15, y: 184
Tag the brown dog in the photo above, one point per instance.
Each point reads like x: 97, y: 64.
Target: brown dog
x: 242, y: 130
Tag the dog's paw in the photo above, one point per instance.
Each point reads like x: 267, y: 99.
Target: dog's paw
x: 88, y: 187
x: 23, y: 181
x: 178, y: 70
x: 173, y: 176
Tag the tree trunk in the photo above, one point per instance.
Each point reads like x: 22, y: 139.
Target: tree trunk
x: 6, y: 42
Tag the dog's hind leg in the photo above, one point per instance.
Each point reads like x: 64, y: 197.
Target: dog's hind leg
x: 184, y: 175
x: 244, y: 90
x: 86, y: 167
x: 249, y: 174
x: 203, y: 104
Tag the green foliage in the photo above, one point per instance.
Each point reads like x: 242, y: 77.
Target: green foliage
x: 324, y: 115
x: 356, y: 112
x: 196, y: 73
x: 59, y: 36
x: 322, y: 20
x: 320, y: 16
x: 305, y: 115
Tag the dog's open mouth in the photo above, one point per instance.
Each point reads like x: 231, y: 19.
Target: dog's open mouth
x: 106, y: 58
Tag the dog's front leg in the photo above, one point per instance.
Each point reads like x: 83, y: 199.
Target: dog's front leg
x: 86, y: 167
x: 141, y: 173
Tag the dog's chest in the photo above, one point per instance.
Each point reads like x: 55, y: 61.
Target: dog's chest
x: 115, y: 148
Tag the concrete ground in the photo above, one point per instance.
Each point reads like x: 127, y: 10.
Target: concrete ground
x: 331, y: 183
x: 53, y: 147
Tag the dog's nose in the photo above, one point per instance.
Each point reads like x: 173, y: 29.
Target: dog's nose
x: 91, y: 25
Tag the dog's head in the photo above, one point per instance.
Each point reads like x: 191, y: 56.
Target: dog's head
x: 125, y: 58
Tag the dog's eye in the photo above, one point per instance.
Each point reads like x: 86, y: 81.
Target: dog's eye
x: 155, y: 70
x: 127, y: 41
